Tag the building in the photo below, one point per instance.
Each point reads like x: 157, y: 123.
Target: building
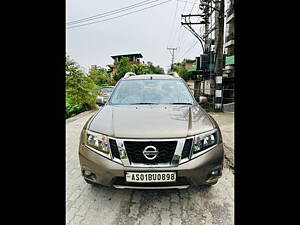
x: 203, y: 72
x: 189, y: 63
x: 228, y: 74
x: 134, y: 58
x: 110, y: 69
x: 204, y: 81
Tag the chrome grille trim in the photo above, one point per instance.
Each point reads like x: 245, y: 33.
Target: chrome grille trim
x: 177, y: 154
x: 122, y: 152
x: 126, y: 162
x: 178, y: 151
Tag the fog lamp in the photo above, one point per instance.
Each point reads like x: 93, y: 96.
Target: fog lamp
x: 87, y: 173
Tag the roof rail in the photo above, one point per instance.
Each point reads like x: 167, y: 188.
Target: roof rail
x: 128, y: 74
x: 174, y: 74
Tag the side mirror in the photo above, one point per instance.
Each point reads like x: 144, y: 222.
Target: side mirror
x: 202, y: 99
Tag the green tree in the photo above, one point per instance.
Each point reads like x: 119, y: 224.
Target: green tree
x: 122, y: 67
x: 140, y: 69
x: 180, y: 69
x: 81, y: 91
x: 155, y: 69
x: 100, y: 76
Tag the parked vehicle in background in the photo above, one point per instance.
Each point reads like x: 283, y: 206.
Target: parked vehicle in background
x: 151, y: 134
x: 202, y: 99
x: 104, y: 94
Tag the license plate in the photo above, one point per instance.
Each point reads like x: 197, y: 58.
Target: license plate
x: 150, y: 177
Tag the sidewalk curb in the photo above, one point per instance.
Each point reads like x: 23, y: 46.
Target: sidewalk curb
x: 229, y: 155
x: 80, y: 115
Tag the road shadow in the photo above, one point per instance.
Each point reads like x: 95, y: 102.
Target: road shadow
x: 195, y: 205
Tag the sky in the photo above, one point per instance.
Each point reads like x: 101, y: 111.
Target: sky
x: 148, y: 32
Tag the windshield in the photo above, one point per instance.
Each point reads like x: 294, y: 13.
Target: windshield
x: 106, y: 90
x: 130, y: 92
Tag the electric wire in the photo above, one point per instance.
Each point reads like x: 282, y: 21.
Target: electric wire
x: 173, y: 21
x: 193, y: 6
x: 186, y: 1
x: 185, y: 34
x: 195, y: 43
x: 180, y: 27
x: 112, y: 12
x: 118, y: 16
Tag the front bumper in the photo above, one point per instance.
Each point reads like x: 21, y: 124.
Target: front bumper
x: 194, y: 172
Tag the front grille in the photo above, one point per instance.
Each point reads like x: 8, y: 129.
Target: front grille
x: 114, y: 148
x: 135, y: 149
x: 187, y: 148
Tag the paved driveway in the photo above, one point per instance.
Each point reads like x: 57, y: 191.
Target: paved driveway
x: 87, y: 204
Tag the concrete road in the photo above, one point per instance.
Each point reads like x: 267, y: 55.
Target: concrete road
x: 88, y: 205
x: 226, y: 124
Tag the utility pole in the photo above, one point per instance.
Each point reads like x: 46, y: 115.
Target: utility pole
x: 219, y: 40
x: 214, y: 74
x: 206, y: 14
x: 204, y: 6
x: 198, y: 19
x: 187, y: 21
x: 219, y: 36
x: 172, y: 54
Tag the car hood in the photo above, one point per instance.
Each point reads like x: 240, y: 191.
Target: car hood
x: 151, y: 121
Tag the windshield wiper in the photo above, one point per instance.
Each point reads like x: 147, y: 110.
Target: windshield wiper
x: 181, y: 103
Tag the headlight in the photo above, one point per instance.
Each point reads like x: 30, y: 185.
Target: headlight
x: 97, y: 141
x: 204, y: 141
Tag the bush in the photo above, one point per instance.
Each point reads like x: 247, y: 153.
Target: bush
x: 81, y: 91
x: 101, y: 77
x: 72, y: 109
